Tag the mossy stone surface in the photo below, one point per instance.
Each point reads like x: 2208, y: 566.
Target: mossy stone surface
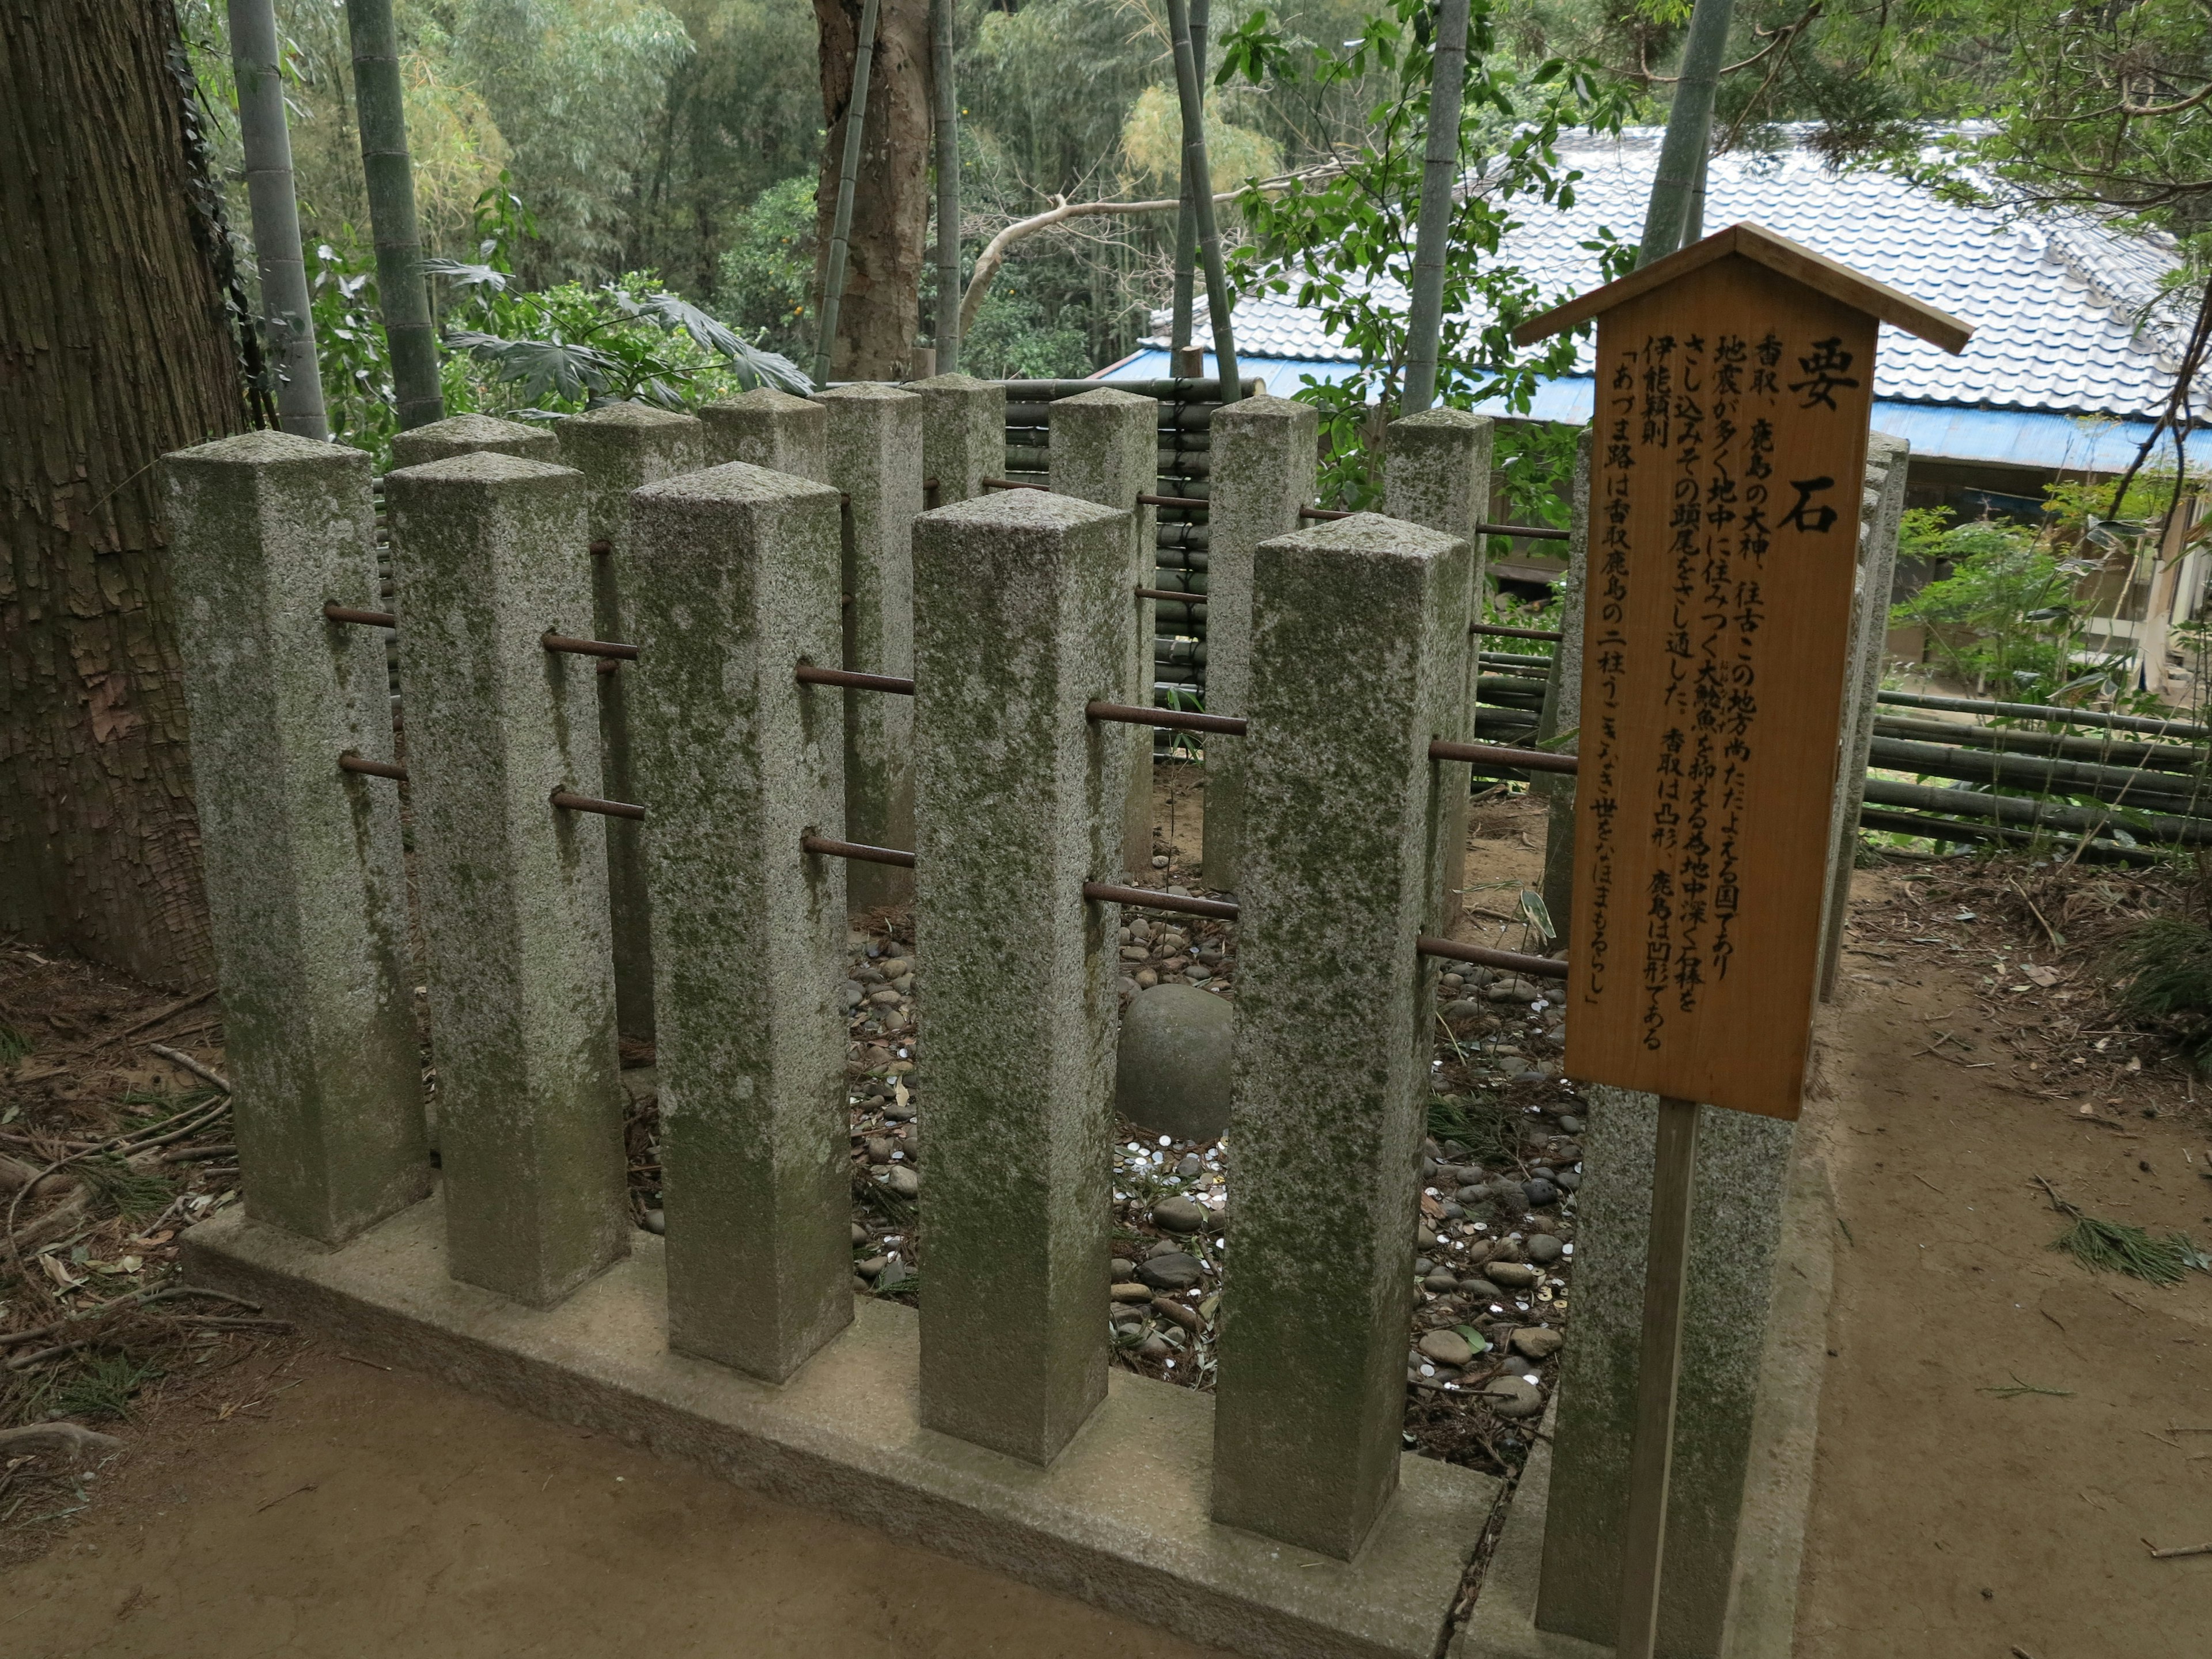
x: 874, y: 435
x: 771, y: 428
x: 1021, y: 619
x: 1172, y: 1067
x: 1352, y: 676
x: 732, y: 582
x: 1262, y: 472
x: 305, y: 889
x: 514, y: 890
x: 465, y: 434
x: 963, y: 434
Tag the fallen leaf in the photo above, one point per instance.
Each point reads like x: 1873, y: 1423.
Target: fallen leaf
x: 2046, y: 977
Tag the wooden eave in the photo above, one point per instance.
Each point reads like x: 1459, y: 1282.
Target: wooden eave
x: 1777, y: 253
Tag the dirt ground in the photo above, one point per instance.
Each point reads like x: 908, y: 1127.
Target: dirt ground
x: 1950, y: 1519
x: 2000, y: 1429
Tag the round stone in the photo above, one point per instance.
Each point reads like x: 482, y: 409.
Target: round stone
x: 1154, y: 1347
x: 1171, y: 1270
x: 1178, y: 1215
x: 1130, y: 1291
x: 1443, y: 1281
x: 656, y: 1221
x: 1481, y: 1289
x: 1573, y: 1125
x: 1512, y: 1397
x: 1172, y: 1072
x: 1514, y: 1275
x: 1447, y: 1347
x: 904, y: 1181
x: 1568, y: 1179
x: 1543, y: 1249
x: 1537, y: 1342
x: 1539, y: 1192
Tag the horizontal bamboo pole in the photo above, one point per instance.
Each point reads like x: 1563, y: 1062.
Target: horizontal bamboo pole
x: 2160, y: 792
x: 2036, y: 711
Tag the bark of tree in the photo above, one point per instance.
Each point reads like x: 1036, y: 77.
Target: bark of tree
x: 118, y: 342
x: 882, y: 309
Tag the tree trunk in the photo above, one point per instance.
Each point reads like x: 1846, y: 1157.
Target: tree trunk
x: 882, y: 309
x: 118, y: 305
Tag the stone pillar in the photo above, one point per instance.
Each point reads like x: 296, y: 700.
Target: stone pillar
x: 770, y: 428
x: 1263, y: 463
x: 731, y: 582
x: 1880, y: 511
x: 513, y: 889
x: 307, y: 894
x: 1743, y: 1178
x: 1563, y: 705
x: 465, y: 434
x: 1436, y: 472
x: 875, y: 460
x: 963, y: 434
x: 620, y: 447
x: 1353, y: 672
x: 1105, y: 448
x: 1023, y: 618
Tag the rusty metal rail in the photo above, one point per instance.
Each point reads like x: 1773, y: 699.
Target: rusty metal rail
x: 611, y: 809
x: 369, y: 768
x: 607, y: 649
x: 825, y: 846
x: 342, y: 613
x: 808, y: 674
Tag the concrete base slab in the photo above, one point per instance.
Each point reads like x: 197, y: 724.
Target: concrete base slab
x: 1118, y: 1519
x: 1778, y: 1494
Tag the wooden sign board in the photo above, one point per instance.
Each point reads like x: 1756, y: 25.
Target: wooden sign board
x: 1728, y: 454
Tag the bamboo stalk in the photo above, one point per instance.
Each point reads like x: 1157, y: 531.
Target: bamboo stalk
x: 1195, y: 167
x: 1678, y: 189
x: 947, y: 136
x: 1439, y: 176
x: 288, y: 318
x: 1186, y: 247
x: 409, y: 333
x: 848, y: 178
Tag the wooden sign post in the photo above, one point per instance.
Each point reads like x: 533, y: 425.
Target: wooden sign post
x: 1734, y: 381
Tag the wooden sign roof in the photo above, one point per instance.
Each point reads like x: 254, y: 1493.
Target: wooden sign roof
x: 1777, y: 253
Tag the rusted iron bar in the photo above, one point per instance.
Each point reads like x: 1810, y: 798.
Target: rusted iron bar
x: 1172, y: 501
x: 1170, y: 593
x: 1512, y: 962
x: 600, y: 549
x: 1516, y: 632
x: 1321, y: 512
x: 1008, y: 483
x: 369, y: 768
x: 1534, y: 532
x: 1129, y: 714
x: 808, y: 674
x: 825, y: 848
x: 340, y: 613
x: 1144, y: 899
x: 588, y: 648
x: 1493, y: 754
x: 611, y: 809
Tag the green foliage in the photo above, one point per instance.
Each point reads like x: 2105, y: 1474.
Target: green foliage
x: 2003, y: 615
x: 767, y: 270
x: 100, y: 1388
x: 2161, y: 970
x: 1342, y: 242
x: 133, y: 1194
x: 2115, y: 1247
x: 1024, y: 331
x: 14, y: 1045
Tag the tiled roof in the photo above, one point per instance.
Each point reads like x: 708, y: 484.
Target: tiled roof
x: 2056, y: 300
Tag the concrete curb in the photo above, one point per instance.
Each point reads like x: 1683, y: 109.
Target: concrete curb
x: 1778, y: 1488
x: 1120, y: 1519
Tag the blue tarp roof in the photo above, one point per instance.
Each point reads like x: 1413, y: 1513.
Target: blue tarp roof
x: 2006, y: 437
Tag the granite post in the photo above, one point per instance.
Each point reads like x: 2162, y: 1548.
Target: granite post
x: 1880, y: 511
x: 1022, y: 618
x: 963, y: 434
x: 1436, y: 472
x: 1354, y: 672
x: 306, y: 895
x: 875, y: 460
x: 1263, y: 462
x: 513, y: 889
x: 1562, y: 716
x: 771, y: 428
x: 731, y: 583
x: 1105, y: 448
x: 619, y: 448
x: 466, y: 434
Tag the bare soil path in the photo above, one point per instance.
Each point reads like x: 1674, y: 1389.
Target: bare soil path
x: 1951, y: 1520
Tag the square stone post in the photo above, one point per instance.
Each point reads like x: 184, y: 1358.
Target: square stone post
x: 1562, y: 703
x: 620, y: 447
x: 875, y: 460
x: 771, y: 428
x: 513, y: 889
x: 306, y: 895
x: 1023, y: 618
x: 732, y: 582
x: 1354, y: 672
x: 1882, y: 510
x: 1743, y: 1178
x: 1105, y: 448
x: 963, y: 434
x: 1263, y: 463
x: 466, y: 434
x: 1436, y: 472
